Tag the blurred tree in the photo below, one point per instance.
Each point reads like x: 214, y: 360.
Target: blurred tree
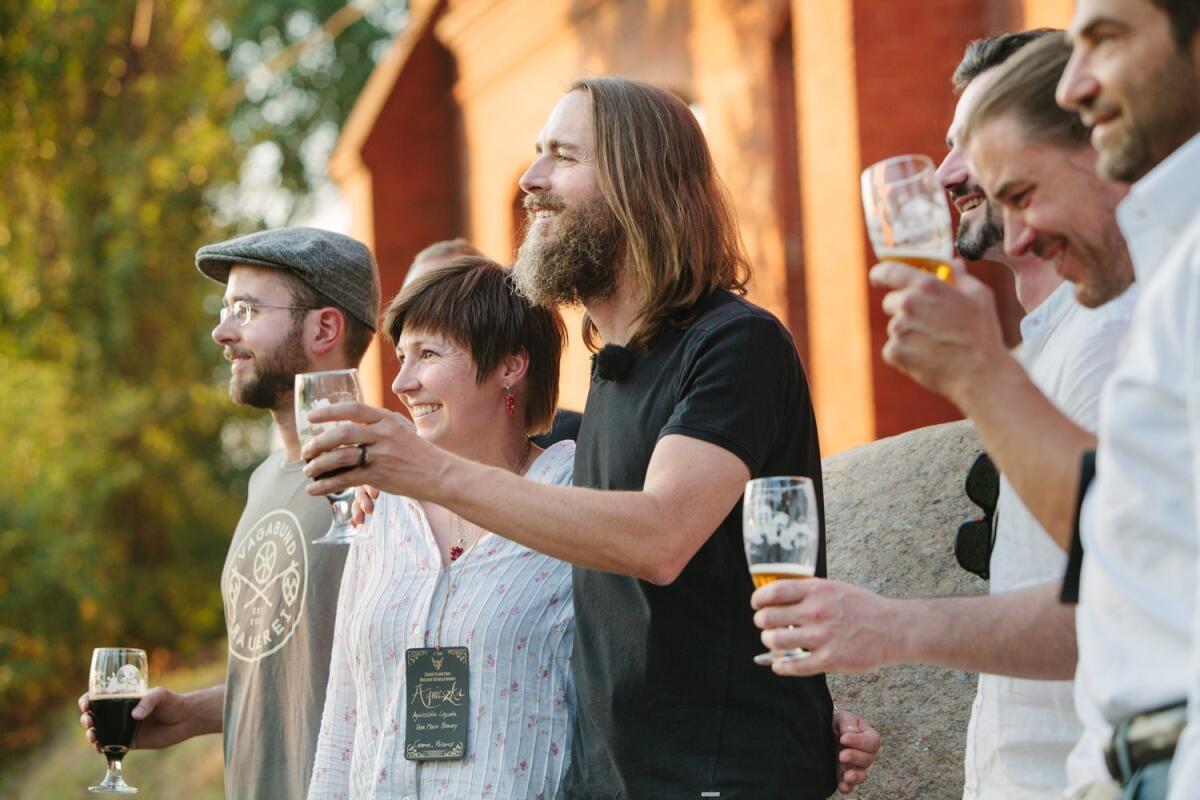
x: 115, y: 499
x: 299, y: 65
x: 123, y: 125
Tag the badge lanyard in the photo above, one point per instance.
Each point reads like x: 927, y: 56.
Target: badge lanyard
x: 438, y: 685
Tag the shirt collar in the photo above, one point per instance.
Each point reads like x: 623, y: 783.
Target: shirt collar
x: 1159, y: 207
x: 1041, y: 322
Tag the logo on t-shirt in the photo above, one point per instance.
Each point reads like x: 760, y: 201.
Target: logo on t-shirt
x: 265, y: 581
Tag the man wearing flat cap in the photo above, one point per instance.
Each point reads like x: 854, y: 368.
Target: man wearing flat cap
x: 296, y: 300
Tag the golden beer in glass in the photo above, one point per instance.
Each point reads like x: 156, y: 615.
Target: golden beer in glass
x: 908, y: 218
x: 782, y: 536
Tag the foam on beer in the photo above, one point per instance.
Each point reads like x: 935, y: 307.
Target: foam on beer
x: 782, y: 571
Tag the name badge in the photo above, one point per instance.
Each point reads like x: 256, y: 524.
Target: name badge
x: 438, y: 703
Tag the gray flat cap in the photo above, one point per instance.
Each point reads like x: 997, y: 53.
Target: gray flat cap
x: 340, y: 268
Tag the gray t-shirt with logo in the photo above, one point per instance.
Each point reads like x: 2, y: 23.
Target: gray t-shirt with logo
x: 280, y: 593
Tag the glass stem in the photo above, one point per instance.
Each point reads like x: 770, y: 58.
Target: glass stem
x: 343, y: 508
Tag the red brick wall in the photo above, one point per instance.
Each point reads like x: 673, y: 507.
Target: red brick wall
x: 906, y: 51
x: 435, y: 176
x: 414, y: 156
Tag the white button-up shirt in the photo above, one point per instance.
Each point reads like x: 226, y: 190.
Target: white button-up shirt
x: 509, y: 605
x: 1021, y: 731
x: 1136, y: 621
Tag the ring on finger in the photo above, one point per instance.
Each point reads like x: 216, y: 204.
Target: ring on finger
x: 362, y: 455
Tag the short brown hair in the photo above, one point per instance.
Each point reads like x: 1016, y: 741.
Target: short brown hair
x: 473, y: 302
x: 1024, y: 88
x: 446, y: 249
x: 1185, y: 19
x: 655, y: 173
x: 983, y: 54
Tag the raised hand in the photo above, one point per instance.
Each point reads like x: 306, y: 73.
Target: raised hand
x: 942, y: 334
x: 845, y: 628
x: 396, y: 459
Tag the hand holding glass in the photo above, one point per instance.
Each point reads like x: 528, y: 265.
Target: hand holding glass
x: 908, y: 218
x: 313, y: 390
x: 781, y: 533
x: 117, y: 681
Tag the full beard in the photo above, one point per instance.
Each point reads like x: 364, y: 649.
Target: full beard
x: 273, y: 382
x: 577, y: 262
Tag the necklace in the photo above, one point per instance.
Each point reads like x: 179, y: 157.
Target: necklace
x: 457, y: 522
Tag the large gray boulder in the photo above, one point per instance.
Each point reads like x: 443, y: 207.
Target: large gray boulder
x: 892, y: 508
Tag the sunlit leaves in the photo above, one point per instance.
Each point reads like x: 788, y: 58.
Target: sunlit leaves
x: 117, y: 500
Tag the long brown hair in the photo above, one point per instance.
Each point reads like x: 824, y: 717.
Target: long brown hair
x: 656, y: 175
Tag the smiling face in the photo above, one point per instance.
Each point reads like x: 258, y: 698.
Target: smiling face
x: 569, y: 253
x: 268, y: 351
x: 980, y: 231
x: 437, y: 383
x: 1054, y: 207
x: 1131, y: 84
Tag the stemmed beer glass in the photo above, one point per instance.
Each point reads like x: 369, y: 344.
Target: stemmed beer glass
x: 118, y: 679
x: 908, y: 218
x: 781, y: 533
x: 314, y: 390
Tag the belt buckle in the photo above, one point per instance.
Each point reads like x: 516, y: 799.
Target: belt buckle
x: 1144, y: 739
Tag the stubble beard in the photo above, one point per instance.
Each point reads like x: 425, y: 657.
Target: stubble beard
x: 1168, y: 114
x: 1110, y: 274
x: 577, y: 262
x: 1127, y: 159
x: 272, y: 385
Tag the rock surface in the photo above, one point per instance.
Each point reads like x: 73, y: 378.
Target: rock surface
x: 892, y: 508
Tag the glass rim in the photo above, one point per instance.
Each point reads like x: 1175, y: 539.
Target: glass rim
x: 777, y: 481
x: 327, y: 372
x: 118, y: 650
x: 902, y: 157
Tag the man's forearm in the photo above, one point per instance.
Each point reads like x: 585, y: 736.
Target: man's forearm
x: 206, y: 710
x: 1025, y: 634
x: 604, y: 530
x: 651, y: 534
x: 1035, y: 445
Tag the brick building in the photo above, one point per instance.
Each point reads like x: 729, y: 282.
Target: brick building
x: 795, y: 96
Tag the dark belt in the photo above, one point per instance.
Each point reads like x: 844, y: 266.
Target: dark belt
x: 1143, y: 739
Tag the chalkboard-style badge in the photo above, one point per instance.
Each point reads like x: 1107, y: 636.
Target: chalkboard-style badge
x: 438, y: 703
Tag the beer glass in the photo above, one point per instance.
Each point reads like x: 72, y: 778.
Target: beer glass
x: 117, y: 681
x: 314, y: 390
x: 781, y: 533
x: 908, y: 218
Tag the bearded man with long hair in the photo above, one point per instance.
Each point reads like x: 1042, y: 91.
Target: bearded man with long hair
x: 694, y: 391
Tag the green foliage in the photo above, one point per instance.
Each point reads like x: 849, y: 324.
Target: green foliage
x: 124, y: 125
x: 300, y: 82
x: 116, y: 501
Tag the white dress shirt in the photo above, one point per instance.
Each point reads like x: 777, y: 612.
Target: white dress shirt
x: 510, y: 606
x: 1136, y: 621
x: 1021, y: 731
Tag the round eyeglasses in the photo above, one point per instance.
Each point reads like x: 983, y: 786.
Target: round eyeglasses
x: 243, y: 310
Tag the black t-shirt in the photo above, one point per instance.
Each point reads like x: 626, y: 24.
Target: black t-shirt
x: 670, y: 703
x: 564, y: 428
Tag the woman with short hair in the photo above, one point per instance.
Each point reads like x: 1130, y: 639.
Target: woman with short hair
x: 479, y: 376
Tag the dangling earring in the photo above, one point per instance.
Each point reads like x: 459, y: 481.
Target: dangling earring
x: 510, y: 401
